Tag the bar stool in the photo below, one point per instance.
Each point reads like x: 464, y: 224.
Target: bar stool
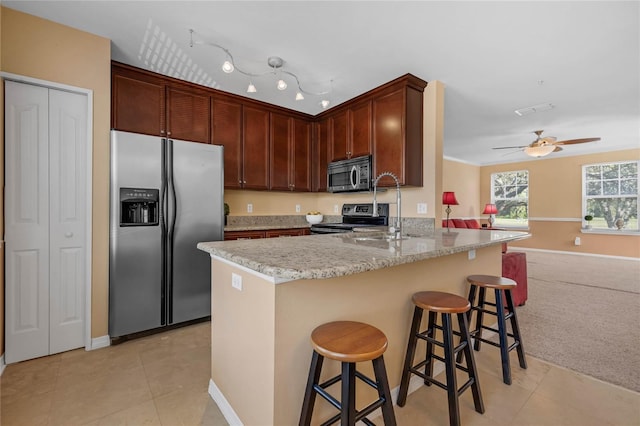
x: 348, y: 342
x: 502, y: 287
x: 446, y: 304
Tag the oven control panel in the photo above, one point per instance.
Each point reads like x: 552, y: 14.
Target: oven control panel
x: 364, y: 210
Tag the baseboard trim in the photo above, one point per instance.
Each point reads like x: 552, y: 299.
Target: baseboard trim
x: 2, y: 364
x: 100, y: 342
x: 225, y: 408
x: 606, y: 256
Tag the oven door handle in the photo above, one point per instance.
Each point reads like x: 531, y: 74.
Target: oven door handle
x: 354, y: 177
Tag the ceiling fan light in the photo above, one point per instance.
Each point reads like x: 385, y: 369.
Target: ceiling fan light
x: 281, y: 84
x: 299, y: 96
x: 251, y: 88
x: 539, y: 151
x: 227, y: 67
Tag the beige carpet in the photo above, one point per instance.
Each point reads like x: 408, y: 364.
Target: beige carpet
x: 583, y: 313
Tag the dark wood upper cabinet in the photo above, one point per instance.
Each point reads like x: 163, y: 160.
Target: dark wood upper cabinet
x: 340, y: 147
x: 360, y: 129
x: 397, y: 133
x: 255, y: 148
x: 137, y: 103
x: 226, y: 128
x: 320, y: 155
x: 188, y: 115
x: 290, y: 154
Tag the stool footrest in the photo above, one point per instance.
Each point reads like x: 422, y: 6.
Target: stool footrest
x: 425, y: 336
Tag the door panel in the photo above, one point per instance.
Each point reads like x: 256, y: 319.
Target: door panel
x: 67, y: 197
x: 135, y: 271
x: 26, y: 221
x: 198, y: 179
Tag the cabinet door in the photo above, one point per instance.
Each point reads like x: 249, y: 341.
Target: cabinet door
x: 226, y: 125
x: 255, y: 149
x: 340, y: 136
x: 388, y: 135
x: 188, y: 115
x: 301, y: 147
x: 280, y: 153
x: 320, y: 155
x: 243, y: 235
x: 360, y: 129
x: 137, y: 105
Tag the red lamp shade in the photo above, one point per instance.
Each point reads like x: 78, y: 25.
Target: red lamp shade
x: 490, y: 209
x: 449, y: 198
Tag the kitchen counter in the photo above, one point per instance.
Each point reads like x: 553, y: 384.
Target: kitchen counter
x: 268, y: 295
x: 335, y: 255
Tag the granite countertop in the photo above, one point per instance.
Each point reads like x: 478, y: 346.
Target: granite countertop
x: 334, y: 255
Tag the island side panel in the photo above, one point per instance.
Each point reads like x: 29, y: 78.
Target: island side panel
x: 381, y: 298
x: 242, y: 342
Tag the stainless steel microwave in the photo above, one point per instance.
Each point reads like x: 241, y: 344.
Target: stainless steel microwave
x: 350, y: 175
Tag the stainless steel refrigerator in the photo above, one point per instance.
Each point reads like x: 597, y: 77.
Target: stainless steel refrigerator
x: 166, y: 196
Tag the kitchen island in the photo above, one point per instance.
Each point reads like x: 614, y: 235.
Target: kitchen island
x: 268, y: 295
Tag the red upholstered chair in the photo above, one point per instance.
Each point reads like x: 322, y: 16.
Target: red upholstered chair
x: 514, y: 266
x: 459, y: 223
x: 472, y: 224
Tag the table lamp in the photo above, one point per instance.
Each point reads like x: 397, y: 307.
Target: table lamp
x: 490, y: 209
x: 449, y: 198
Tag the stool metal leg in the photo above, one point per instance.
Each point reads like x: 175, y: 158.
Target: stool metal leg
x: 471, y: 364
x: 348, y: 402
x: 383, y: 391
x: 479, y: 314
x: 431, y: 332
x: 515, y: 329
x: 309, y: 393
x: 502, y: 334
x: 408, y: 360
x: 450, y: 369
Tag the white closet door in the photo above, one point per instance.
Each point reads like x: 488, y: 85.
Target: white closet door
x: 45, y: 223
x: 67, y: 206
x: 26, y: 221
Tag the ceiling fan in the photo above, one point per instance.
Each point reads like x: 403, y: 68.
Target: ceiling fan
x: 545, y: 146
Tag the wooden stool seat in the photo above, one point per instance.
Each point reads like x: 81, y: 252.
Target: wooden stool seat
x: 349, y: 341
x: 437, y: 301
x: 490, y: 281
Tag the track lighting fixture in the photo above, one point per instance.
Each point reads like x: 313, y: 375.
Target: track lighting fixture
x: 274, y: 62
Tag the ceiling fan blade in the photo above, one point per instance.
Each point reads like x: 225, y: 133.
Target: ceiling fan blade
x: 510, y: 147
x: 558, y: 149
x: 575, y: 141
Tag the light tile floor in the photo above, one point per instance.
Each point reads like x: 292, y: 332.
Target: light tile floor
x: 163, y: 380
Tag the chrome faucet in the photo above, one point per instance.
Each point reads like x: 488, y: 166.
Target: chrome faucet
x: 397, y: 230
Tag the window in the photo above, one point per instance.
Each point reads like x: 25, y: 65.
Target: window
x: 510, y: 194
x: 610, y: 195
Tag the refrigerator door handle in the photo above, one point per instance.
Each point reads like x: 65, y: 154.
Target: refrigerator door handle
x: 163, y: 228
x: 171, y: 224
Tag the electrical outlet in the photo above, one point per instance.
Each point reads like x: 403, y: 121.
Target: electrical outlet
x: 249, y: 208
x: 577, y: 241
x: 236, y: 281
x: 472, y: 254
x: 336, y: 209
x: 297, y: 208
x: 422, y: 208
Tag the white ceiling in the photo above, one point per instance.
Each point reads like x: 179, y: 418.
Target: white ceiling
x: 493, y: 58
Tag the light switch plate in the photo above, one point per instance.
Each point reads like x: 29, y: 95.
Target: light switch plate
x: 422, y: 208
x: 335, y: 209
x: 297, y: 208
x: 249, y: 208
x: 472, y: 254
x: 236, y: 281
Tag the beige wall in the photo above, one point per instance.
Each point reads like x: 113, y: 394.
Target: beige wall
x: 42, y: 49
x: 283, y: 203
x: 555, y: 204
x: 463, y: 179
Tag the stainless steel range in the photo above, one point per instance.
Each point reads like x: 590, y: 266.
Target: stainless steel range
x: 355, y: 216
